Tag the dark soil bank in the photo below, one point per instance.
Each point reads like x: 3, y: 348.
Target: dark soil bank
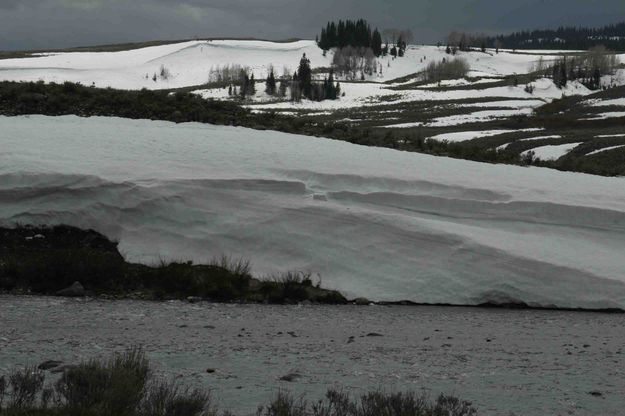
x: 68, y: 261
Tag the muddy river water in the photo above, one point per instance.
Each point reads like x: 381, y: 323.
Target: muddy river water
x: 504, y: 361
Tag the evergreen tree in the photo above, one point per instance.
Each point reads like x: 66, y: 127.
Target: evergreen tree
x: 246, y: 86
x: 401, y: 45
x: 270, y: 84
x: 394, y: 52
x: 330, y: 89
x: 252, y: 86
x: 376, y: 43
x: 305, y: 76
x: 563, y: 75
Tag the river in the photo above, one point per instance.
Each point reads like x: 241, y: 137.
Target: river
x: 522, y: 361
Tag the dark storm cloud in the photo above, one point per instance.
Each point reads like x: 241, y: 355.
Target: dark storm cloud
x: 27, y: 24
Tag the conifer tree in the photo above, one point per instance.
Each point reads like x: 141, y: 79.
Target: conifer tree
x: 305, y: 76
x: 252, y: 85
x: 246, y: 86
x: 376, y: 43
x: 270, y: 84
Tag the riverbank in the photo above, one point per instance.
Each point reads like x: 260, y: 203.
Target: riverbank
x: 124, y: 384
x: 550, y: 360
x: 68, y: 261
x: 71, y: 262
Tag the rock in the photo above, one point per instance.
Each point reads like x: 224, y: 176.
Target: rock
x: 49, y: 365
x: 75, y: 290
x: 374, y: 334
x: 595, y: 393
x: 290, y: 377
x: 62, y: 368
x: 194, y: 299
x: 362, y: 302
x: 210, y: 370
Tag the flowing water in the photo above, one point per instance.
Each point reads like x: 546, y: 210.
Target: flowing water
x: 504, y: 361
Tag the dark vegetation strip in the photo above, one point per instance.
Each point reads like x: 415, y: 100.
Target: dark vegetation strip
x: 46, y: 260
x: 126, y: 385
x: 68, y: 98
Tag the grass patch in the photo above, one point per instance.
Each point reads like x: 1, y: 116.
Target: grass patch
x: 122, y: 385
x: 125, y: 385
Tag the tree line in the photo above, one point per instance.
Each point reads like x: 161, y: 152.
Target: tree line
x: 357, y: 34
x: 570, y: 38
x: 299, y: 85
x: 589, y: 68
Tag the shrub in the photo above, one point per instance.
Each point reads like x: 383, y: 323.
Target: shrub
x: 446, y: 69
x: 24, y: 387
x: 285, y: 405
x: 113, y: 387
x: 169, y: 399
x: 339, y: 403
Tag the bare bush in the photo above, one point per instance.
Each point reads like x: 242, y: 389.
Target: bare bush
x: 113, y: 387
x: 169, y: 399
x: 588, y: 68
x: 351, y: 62
x: 24, y: 386
x: 446, y: 69
x: 230, y: 73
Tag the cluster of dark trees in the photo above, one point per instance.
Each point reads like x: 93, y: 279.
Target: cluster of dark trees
x: 303, y: 86
x: 576, y: 38
x: 356, y: 34
x: 588, y: 68
x: 300, y: 84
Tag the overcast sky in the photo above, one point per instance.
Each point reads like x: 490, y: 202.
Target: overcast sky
x: 31, y: 24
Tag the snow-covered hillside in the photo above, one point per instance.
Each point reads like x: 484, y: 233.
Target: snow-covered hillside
x: 372, y: 222
x: 190, y: 63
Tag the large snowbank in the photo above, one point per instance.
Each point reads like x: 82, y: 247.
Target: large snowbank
x: 372, y: 222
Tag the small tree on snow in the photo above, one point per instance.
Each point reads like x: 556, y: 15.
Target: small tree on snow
x: 270, y: 84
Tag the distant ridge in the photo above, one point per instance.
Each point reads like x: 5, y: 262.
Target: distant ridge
x: 118, y: 47
x: 570, y: 38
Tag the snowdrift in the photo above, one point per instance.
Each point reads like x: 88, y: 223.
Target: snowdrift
x: 371, y: 222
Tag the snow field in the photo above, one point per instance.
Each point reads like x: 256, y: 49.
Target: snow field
x: 379, y: 223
